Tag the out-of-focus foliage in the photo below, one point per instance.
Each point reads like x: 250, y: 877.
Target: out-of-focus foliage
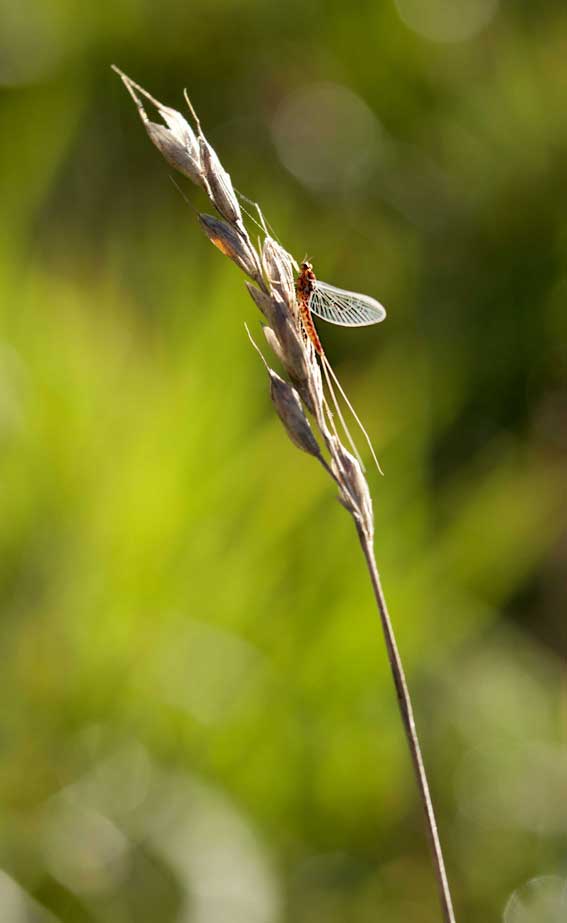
x: 196, y: 716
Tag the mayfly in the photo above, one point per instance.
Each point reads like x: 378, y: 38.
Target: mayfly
x: 348, y: 309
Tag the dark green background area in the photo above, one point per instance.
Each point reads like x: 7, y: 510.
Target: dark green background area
x: 197, y: 721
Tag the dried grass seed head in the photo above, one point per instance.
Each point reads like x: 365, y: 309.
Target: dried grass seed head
x: 300, y: 382
x: 290, y: 411
x: 271, y: 306
x: 261, y: 299
x: 291, y: 350
x: 278, y: 268
x: 355, y: 494
x: 174, y: 153
x: 221, y: 190
x: 234, y: 245
x: 181, y: 130
x: 273, y: 343
x: 177, y: 142
x: 192, y: 155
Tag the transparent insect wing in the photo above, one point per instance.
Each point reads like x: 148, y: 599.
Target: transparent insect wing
x: 349, y: 309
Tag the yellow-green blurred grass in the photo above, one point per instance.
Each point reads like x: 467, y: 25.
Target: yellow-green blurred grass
x: 174, y: 574
x: 148, y: 495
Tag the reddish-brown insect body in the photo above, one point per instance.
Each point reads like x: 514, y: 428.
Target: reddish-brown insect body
x: 304, y: 285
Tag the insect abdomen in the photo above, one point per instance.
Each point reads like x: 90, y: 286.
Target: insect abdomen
x: 309, y: 326
x: 304, y: 287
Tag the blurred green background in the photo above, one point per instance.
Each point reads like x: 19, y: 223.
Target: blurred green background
x: 197, y: 718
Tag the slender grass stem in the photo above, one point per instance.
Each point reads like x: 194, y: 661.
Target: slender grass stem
x: 276, y: 295
x: 406, y: 711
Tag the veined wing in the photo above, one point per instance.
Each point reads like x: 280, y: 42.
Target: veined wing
x: 349, y: 309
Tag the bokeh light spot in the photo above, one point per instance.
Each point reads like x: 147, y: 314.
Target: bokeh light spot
x: 327, y: 136
x: 447, y: 20
x: 541, y: 900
